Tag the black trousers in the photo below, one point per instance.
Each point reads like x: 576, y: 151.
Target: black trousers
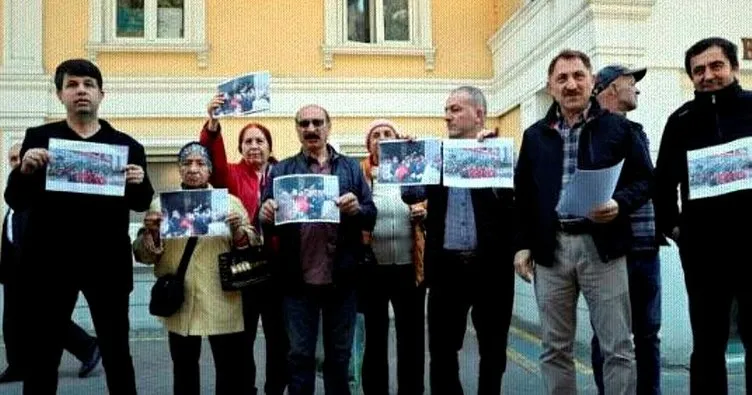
x: 265, y: 302
x: 456, y: 287
x: 229, y: 363
x: 714, y: 277
x: 48, y: 308
x: 75, y: 340
x: 395, y: 284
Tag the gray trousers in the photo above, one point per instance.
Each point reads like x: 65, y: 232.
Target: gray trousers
x: 605, y: 286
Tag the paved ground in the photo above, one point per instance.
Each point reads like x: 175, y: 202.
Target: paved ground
x: 153, y: 369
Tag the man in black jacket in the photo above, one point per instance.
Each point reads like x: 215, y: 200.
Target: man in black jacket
x: 567, y: 253
x: 77, y: 241
x: 468, y: 261
x: 713, y: 251
x: 77, y: 341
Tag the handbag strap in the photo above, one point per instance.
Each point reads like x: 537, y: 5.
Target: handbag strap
x: 189, y: 247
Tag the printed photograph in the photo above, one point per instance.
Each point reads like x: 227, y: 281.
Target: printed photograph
x: 245, y: 94
x: 306, y: 198
x: 721, y: 169
x: 405, y: 162
x: 85, y: 167
x: 199, y: 212
x: 473, y: 164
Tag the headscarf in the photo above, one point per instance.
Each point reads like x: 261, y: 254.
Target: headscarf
x: 193, y: 148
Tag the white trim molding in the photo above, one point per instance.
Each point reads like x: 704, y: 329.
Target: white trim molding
x: 102, y: 38
x: 22, y: 36
x: 607, y: 30
x: 180, y: 97
x: 336, y: 42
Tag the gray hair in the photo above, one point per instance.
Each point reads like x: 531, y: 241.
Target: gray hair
x: 476, y: 96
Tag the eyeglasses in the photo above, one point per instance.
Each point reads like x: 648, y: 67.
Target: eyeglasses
x: 303, y: 123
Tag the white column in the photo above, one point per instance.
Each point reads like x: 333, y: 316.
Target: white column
x: 22, y: 35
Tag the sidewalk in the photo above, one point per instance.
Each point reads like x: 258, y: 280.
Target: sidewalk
x: 153, y: 367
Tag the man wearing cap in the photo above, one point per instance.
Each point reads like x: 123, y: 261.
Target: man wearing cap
x: 615, y: 91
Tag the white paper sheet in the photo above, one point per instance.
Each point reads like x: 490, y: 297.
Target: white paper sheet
x: 588, y: 189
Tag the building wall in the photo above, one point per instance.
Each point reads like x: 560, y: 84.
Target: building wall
x: 460, y: 31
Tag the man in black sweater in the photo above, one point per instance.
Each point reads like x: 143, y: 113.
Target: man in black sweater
x: 77, y: 241
x: 712, y: 245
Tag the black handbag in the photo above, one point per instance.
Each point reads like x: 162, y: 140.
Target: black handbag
x: 167, y: 293
x: 242, y: 268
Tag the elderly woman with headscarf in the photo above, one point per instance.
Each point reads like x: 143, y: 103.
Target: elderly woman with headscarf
x: 396, y: 276
x: 207, y: 309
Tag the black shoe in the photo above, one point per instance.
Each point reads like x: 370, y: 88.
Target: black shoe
x: 88, y: 366
x: 10, y: 375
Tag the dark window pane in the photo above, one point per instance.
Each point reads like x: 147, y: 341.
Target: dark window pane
x: 358, y: 21
x: 396, y: 20
x: 130, y: 18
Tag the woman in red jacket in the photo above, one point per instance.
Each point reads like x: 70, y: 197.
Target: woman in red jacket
x: 246, y: 180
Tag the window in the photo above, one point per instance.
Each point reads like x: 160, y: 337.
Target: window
x: 148, y: 26
x: 378, y: 27
x: 136, y: 18
x: 373, y: 21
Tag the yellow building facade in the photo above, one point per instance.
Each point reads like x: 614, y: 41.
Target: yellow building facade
x: 163, y: 59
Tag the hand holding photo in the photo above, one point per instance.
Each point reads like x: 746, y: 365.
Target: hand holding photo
x: 245, y: 94
x: 410, y: 162
x: 473, y: 164
x: 197, y: 212
x: 306, y: 198
x: 85, y: 167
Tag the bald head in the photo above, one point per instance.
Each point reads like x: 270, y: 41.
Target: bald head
x: 14, y: 155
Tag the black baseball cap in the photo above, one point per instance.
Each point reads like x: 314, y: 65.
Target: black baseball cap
x: 609, y: 74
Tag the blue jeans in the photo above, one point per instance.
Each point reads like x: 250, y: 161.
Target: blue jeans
x: 356, y: 359
x: 337, y: 306
x: 645, y: 297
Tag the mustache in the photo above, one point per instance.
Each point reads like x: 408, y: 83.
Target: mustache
x: 311, y: 135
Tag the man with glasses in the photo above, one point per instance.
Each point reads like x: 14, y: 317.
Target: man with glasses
x: 317, y: 260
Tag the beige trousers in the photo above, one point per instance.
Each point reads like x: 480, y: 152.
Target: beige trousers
x: 578, y: 268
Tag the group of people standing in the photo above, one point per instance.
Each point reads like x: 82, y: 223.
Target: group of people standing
x: 396, y: 244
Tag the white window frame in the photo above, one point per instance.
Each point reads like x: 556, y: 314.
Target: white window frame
x: 420, y: 43
x: 103, y: 28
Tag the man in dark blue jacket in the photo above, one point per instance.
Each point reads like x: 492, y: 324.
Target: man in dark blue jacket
x: 567, y: 253
x: 713, y: 250
x: 317, y: 261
